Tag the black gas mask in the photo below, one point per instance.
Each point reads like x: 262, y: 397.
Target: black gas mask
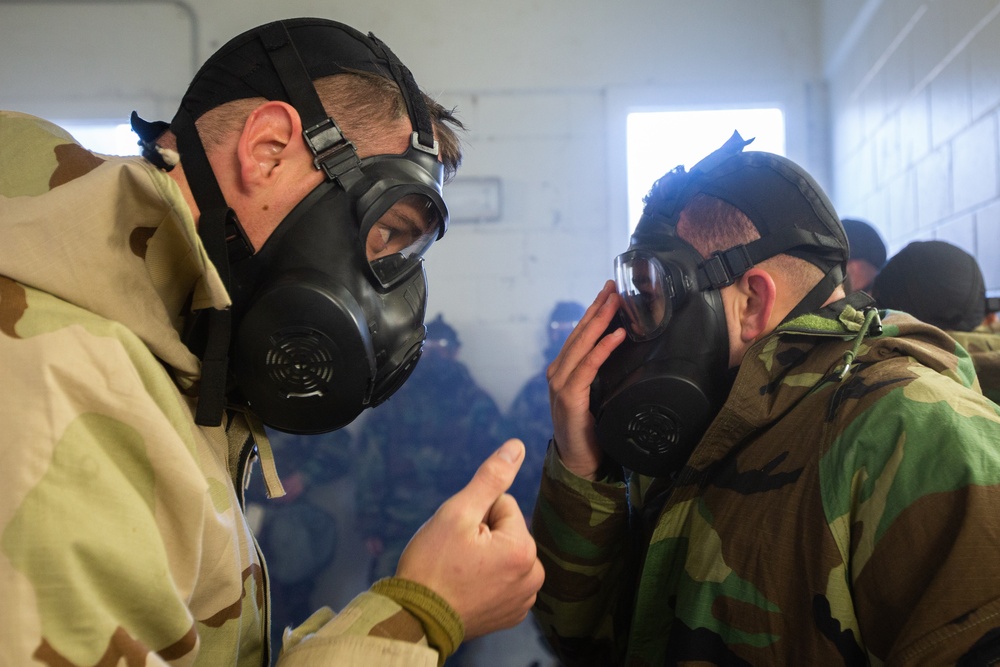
x: 659, y: 390
x: 329, y: 313
x: 327, y: 317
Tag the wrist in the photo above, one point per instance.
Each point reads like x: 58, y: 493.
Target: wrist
x: 584, y: 467
x: 442, y: 624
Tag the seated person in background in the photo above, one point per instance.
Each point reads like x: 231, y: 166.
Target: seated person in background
x: 867, y: 254
x: 943, y: 285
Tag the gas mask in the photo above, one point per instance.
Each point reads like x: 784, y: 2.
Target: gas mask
x: 657, y: 392
x: 655, y: 396
x: 327, y: 317
x: 329, y: 313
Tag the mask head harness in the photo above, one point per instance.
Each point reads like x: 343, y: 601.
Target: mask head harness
x: 656, y: 394
x: 327, y: 317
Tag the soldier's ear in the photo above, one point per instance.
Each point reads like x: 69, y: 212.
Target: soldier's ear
x: 757, y: 297
x: 271, y: 135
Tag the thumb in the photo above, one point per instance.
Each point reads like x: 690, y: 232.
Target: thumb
x: 493, y: 478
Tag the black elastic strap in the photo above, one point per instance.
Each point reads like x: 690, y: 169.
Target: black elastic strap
x: 332, y: 152
x: 818, y: 295
x: 416, y: 105
x: 725, y: 266
x: 293, y: 74
x: 214, y: 217
x: 215, y: 361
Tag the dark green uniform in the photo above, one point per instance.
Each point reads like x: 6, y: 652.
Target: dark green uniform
x: 821, y: 520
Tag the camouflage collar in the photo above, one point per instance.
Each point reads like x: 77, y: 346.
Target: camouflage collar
x: 843, y: 318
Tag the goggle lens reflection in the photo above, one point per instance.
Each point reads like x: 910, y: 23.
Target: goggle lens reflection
x: 646, y: 293
x: 401, y: 236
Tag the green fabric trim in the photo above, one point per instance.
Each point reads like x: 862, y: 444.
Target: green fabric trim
x: 442, y: 624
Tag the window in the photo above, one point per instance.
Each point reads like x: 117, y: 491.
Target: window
x: 658, y: 141
x: 107, y: 138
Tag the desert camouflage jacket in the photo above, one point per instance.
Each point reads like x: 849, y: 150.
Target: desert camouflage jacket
x: 821, y: 520
x: 122, y: 539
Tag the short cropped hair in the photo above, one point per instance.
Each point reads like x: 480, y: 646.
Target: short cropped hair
x: 711, y: 224
x: 360, y: 102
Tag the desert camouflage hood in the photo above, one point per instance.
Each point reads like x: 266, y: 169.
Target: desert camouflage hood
x: 122, y: 535
x: 55, y: 206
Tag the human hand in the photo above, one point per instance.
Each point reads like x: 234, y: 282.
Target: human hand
x: 570, y: 377
x: 476, y: 552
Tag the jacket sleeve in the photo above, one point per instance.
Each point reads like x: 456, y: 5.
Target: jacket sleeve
x: 916, y: 512
x: 396, y: 622
x: 581, y: 531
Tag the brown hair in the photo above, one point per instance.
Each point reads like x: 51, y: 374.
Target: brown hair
x: 360, y: 102
x: 711, y: 224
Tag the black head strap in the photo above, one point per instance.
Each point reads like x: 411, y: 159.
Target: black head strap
x: 215, y: 222
x: 416, y: 106
x: 725, y: 266
x: 332, y: 152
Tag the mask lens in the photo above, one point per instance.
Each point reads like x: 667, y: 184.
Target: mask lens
x: 646, y: 293
x: 401, y: 236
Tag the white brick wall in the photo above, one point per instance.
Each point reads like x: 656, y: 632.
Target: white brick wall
x: 914, y: 120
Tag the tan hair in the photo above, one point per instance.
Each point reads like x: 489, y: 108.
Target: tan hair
x: 360, y: 102
x: 711, y: 224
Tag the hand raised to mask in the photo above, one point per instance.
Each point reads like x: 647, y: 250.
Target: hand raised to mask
x: 570, y: 377
x: 476, y: 552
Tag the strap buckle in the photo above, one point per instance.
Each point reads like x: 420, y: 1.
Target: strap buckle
x: 725, y: 266
x: 332, y: 152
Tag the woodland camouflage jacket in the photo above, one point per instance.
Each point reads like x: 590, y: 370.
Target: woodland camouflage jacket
x: 983, y: 346
x: 820, y: 520
x: 122, y: 540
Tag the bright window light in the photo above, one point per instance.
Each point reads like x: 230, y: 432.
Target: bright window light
x: 658, y: 141
x: 105, y: 138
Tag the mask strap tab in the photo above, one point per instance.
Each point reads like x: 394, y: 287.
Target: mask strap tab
x: 332, y: 152
x: 148, y: 133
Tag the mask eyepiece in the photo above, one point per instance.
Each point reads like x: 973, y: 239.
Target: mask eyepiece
x: 650, y: 293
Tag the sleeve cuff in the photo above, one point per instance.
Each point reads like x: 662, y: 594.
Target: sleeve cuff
x: 442, y: 624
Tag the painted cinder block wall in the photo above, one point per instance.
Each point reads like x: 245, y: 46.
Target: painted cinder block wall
x: 914, y: 100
